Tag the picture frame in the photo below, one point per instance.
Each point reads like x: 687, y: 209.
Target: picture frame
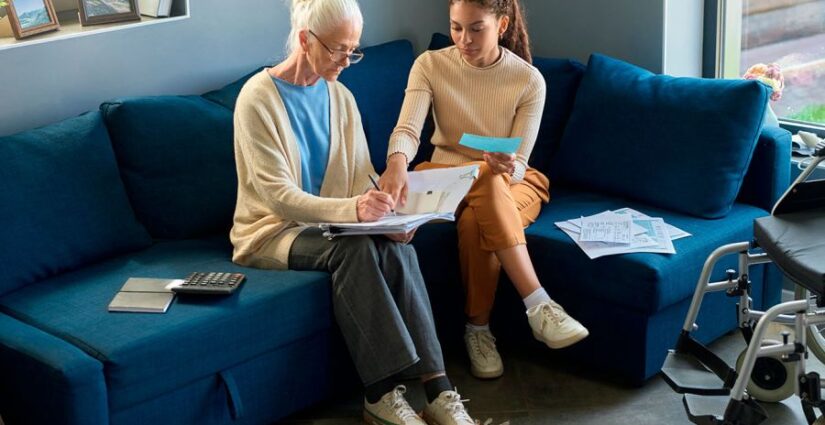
x: 95, y: 12
x: 30, y: 17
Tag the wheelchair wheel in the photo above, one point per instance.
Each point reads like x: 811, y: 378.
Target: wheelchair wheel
x: 816, y: 333
x: 772, y: 380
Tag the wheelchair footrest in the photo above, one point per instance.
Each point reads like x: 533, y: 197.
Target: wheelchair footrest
x: 687, y: 375
x: 722, y: 410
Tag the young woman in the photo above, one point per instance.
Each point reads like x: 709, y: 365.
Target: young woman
x: 302, y: 157
x: 485, y: 85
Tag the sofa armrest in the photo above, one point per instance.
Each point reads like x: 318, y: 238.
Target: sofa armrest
x: 46, y: 380
x: 769, y: 173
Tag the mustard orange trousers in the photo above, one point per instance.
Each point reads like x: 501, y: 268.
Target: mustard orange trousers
x: 492, y: 217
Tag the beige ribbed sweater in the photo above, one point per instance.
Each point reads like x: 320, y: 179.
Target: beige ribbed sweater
x: 505, y: 99
x: 271, y: 208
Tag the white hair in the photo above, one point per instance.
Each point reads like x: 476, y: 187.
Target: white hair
x: 320, y: 16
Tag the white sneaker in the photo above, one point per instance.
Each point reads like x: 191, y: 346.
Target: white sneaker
x: 392, y: 409
x: 485, y: 362
x: 553, y: 326
x: 447, y: 409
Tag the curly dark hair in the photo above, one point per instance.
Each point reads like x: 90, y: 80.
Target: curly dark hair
x: 515, y: 38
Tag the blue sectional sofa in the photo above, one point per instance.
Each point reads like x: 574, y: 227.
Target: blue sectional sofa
x: 146, y: 187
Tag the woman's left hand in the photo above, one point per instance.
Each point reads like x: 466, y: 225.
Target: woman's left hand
x: 402, y: 237
x: 501, y: 163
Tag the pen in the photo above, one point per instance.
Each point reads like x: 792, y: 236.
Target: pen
x: 378, y: 189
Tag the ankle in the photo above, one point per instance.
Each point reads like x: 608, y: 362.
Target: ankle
x: 470, y: 327
x: 535, y: 298
x: 374, y: 392
x: 434, y: 387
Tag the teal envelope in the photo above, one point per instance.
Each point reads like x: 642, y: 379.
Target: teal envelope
x: 490, y: 144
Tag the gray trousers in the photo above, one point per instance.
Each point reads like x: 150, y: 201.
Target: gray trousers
x: 379, y: 300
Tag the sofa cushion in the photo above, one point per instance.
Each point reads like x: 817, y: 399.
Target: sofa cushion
x: 177, y: 160
x: 145, y: 355
x: 378, y: 83
x: 677, y: 143
x: 62, y: 203
x: 562, y: 77
x: 227, y: 95
x: 644, y: 281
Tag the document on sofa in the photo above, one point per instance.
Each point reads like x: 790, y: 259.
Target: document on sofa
x: 144, y: 295
x: 432, y: 195
x: 654, y: 237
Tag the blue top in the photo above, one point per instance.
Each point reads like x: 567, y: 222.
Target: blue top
x: 308, y: 109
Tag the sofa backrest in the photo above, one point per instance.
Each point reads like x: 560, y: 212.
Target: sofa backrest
x: 176, y: 158
x: 378, y: 83
x: 678, y: 143
x: 62, y: 202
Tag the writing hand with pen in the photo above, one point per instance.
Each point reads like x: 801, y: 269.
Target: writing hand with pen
x: 394, y: 183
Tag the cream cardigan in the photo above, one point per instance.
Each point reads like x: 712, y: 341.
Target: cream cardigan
x: 271, y: 208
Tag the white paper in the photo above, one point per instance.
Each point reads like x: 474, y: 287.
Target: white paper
x: 673, y: 231
x: 607, y: 227
x: 654, y: 236
x: 451, y: 185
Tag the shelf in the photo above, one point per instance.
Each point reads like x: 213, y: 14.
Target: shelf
x: 70, y: 27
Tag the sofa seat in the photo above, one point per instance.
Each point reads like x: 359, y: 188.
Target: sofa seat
x: 146, y: 355
x: 645, y: 281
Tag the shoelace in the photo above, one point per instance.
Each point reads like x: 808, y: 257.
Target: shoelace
x: 454, y: 405
x: 553, y: 311
x: 483, y: 343
x: 399, y: 404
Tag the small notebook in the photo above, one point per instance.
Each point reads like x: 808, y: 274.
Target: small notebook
x: 144, y: 295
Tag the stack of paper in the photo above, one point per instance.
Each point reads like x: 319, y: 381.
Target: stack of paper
x: 432, y: 195
x: 620, y: 232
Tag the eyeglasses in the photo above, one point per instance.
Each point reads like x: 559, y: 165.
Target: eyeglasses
x: 338, y: 56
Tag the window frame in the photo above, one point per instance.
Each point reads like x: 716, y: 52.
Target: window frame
x: 722, y: 49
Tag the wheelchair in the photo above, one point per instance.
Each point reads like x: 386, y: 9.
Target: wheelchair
x: 793, y: 238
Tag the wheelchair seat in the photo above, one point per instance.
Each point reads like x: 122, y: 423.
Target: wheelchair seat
x: 796, y: 243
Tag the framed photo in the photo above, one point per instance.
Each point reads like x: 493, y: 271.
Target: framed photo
x: 93, y: 12
x: 29, y: 17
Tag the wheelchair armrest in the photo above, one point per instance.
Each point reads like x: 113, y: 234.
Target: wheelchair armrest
x: 769, y: 173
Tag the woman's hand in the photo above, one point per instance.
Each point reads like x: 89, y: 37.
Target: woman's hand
x: 501, y: 163
x: 373, y: 205
x: 402, y: 237
x: 394, y: 179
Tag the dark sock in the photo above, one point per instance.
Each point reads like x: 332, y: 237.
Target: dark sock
x: 375, y: 391
x: 436, y: 386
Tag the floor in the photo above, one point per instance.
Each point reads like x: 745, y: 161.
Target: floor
x: 534, y: 390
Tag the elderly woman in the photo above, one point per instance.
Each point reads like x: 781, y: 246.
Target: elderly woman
x: 302, y: 157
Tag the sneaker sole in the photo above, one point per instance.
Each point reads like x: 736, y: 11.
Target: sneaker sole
x: 563, y: 343
x: 480, y: 374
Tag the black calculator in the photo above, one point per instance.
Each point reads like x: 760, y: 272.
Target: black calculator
x: 210, y: 283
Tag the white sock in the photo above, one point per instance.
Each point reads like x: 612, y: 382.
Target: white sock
x: 537, y: 297
x: 476, y: 328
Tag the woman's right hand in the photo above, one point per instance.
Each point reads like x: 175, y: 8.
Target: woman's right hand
x: 394, y: 179
x: 373, y: 205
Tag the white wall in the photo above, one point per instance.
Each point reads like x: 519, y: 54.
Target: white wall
x: 636, y: 31
x: 683, y: 37
x: 48, y: 82
x: 222, y: 40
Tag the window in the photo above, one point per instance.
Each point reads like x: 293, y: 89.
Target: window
x: 790, y: 33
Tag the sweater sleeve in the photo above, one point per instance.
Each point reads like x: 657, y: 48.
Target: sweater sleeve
x: 527, y: 121
x: 406, y: 137
x: 265, y: 158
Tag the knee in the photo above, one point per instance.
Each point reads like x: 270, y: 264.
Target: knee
x: 392, y: 249
x: 486, y: 177
x: 350, y: 248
